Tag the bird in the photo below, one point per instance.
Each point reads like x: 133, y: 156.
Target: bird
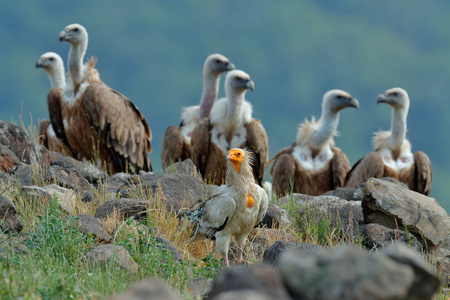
x: 101, y: 125
x: 176, y: 145
x: 234, y: 209
x: 392, y: 156
x: 230, y: 125
x: 53, y: 140
x: 312, y: 165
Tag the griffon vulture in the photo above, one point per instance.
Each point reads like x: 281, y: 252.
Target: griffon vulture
x: 313, y: 165
x: 234, y: 209
x: 53, y: 65
x: 392, y: 156
x: 100, y: 124
x: 176, y: 144
x: 229, y: 125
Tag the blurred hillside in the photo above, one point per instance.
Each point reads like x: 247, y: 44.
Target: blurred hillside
x: 295, y: 51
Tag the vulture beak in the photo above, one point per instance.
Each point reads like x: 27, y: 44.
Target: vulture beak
x: 250, y: 85
x: 382, y: 98
x: 229, y: 66
x: 235, y: 156
x: 40, y: 63
x: 63, y: 35
x: 352, y: 102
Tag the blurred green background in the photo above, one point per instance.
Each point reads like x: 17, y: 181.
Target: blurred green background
x: 153, y: 52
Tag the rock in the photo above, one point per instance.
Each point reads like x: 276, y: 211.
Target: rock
x: 273, y: 253
x: 5, y: 178
x: 243, y: 294
x: 168, y: 246
x: 11, y: 245
x: 199, y: 287
x: 426, y: 282
x: 148, y: 289
x: 317, y: 209
x: 391, y: 205
x: 17, y: 140
x: 262, y: 279
x: 23, y: 173
x: 90, y: 225
x: 126, y: 207
x: 379, y: 236
x: 443, y: 267
x: 67, y: 199
x: 65, y: 178
x: 352, y: 273
x: 275, y: 217
x: 87, y: 196
x: 186, y: 167
x: 345, y: 193
x: 177, y: 190
x: 8, y: 160
x: 119, y: 180
x: 104, y: 254
x: 9, y: 221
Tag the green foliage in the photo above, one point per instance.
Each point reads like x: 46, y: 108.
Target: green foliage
x: 209, y: 269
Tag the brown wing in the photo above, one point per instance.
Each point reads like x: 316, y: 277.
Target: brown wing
x: 56, y: 119
x: 423, y: 173
x: 173, y: 147
x: 120, y: 125
x: 200, y: 144
x: 42, y: 132
x: 369, y: 166
x: 283, y: 172
x: 258, y: 143
x: 340, y: 166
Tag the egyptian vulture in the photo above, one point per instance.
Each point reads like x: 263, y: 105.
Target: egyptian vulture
x: 313, y: 165
x: 234, y: 209
x: 176, y: 144
x: 101, y: 125
x: 230, y: 125
x: 392, y: 156
x: 53, y: 65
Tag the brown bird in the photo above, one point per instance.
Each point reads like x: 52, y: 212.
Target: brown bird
x: 312, y: 165
x: 392, y: 156
x: 53, y: 140
x: 230, y: 125
x: 234, y: 209
x: 176, y: 145
x: 101, y: 125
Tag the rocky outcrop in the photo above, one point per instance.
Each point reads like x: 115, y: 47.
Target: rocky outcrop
x: 9, y: 220
x: 394, y: 206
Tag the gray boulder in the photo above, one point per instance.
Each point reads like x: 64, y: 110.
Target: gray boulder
x: 90, y: 225
x: 148, y: 289
x: 199, y: 287
x: 168, y: 246
x: 9, y: 221
x: 105, y: 254
x: 5, y: 178
x: 186, y: 167
x: 275, y: 217
x: 243, y: 294
x: 352, y: 273
x: 345, y: 193
x: 273, y: 253
x: 16, y: 139
x: 379, y: 236
x: 126, y: 207
x: 261, y: 279
x: 393, y: 205
x: 8, y: 159
x: 67, y: 198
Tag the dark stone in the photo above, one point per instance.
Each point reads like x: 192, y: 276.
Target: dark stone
x: 90, y: 225
x: 105, y: 254
x: 379, y: 236
x: 168, y: 246
x: 186, y: 167
x: 345, y: 193
x: 8, y: 160
x: 16, y: 140
x: 148, y: 289
x: 125, y: 206
x: 198, y: 288
x: 23, y: 173
x: 9, y: 221
x: 273, y: 253
x: 87, y: 196
x: 5, y: 178
x: 262, y: 279
x: 275, y: 217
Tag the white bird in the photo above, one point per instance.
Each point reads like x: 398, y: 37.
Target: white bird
x: 234, y: 209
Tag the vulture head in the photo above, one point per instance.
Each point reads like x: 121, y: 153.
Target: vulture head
x: 240, y: 160
x: 238, y: 82
x: 74, y: 34
x: 50, y: 61
x: 337, y: 100
x: 396, y: 97
x: 217, y: 64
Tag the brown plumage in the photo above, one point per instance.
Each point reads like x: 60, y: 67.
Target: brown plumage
x: 101, y: 125
x: 230, y: 125
x: 176, y: 145
x: 313, y: 165
x: 392, y: 156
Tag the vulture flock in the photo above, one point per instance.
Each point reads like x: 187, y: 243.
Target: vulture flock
x: 91, y: 121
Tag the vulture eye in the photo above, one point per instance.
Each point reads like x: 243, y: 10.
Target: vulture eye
x: 75, y: 30
x: 51, y: 59
x: 217, y: 61
x: 395, y: 94
x: 340, y: 97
